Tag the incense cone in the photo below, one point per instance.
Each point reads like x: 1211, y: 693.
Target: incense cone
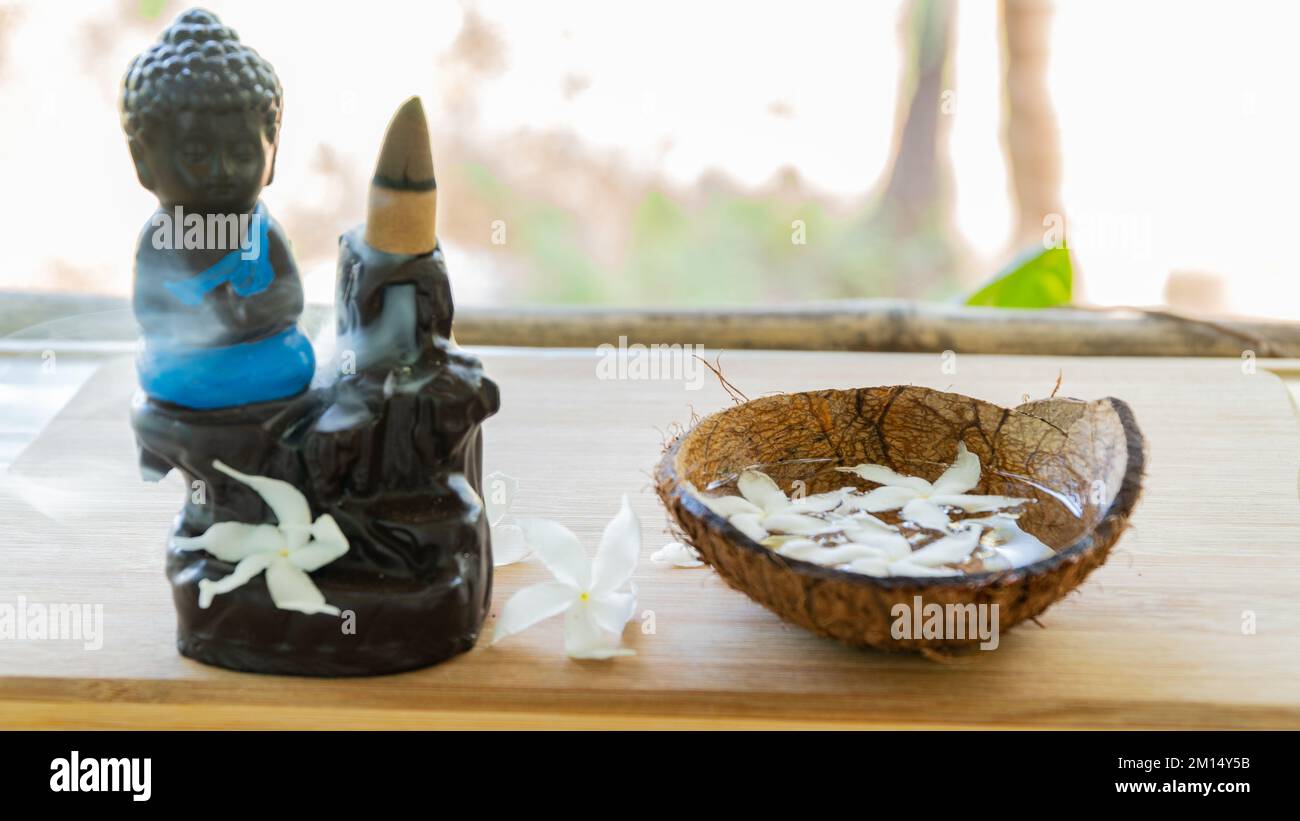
x: 404, y: 194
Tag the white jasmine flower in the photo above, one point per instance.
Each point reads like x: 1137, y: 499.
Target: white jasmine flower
x: 596, y: 597
x: 923, y: 502
x: 763, y: 508
x: 678, y: 555
x: 287, y: 551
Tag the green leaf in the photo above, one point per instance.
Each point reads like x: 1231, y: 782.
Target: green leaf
x: 1040, y: 280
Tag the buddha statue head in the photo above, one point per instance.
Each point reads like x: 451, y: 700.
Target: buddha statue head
x: 201, y: 112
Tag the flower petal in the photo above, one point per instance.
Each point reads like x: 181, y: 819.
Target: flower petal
x: 728, y: 506
x: 865, y: 521
x: 792, y: 546
x: 869, y: 567
x: 315, y: 555
x: 560, y: 550
x: 508, y: 545
x: 996, y: 562
x: 325, y: 529
x: 292, y: 589
x: 962, y: 476
x: 972, y: 503
x: 926, y: 513
x: 613, y: 611
x: 286, y: 501
x: 244, y: 572
x: 892, y: 545
x: 1017, y: 547
x: 882, y: 498
x: 678, y: 555
x: 532, y: 605
x: 905, y: 568
x: 882, y: 475
x: 328, y: 544
x: 759, y: 488
x: 818, y: 502
x: 839, y: 554
x: 1024, y: 550
x: 618, y: 553
x: 748, y: 523
x: 585, y: 639
x: 952, y: 549
x: 232, y: 541
x: 795, y: 523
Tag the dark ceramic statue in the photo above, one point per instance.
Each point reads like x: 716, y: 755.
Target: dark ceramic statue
x: 333, y: 524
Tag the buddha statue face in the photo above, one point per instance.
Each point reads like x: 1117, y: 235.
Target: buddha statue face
x: 201, y: 112
x: 210, y: 162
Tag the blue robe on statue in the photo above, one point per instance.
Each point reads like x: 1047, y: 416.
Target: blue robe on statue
x: 205, y: 377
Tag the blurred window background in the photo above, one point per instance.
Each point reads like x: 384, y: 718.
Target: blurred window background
x: 686, y: 153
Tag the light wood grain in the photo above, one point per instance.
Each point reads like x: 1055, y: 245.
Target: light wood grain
x: 1153, y: 639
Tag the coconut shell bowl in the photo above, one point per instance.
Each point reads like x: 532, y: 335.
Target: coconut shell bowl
x: 1079, y: 463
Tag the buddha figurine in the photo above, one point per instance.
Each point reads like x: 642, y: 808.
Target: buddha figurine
x: 217, y: 292
x: 333, y: 522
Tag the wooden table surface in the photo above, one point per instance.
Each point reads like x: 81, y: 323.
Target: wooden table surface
x: 1153, y: 639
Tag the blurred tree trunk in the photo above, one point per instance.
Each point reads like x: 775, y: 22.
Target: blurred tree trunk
x: 919, y: 185
x: 1033, y: 145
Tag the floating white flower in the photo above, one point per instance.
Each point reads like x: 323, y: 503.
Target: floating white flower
x: 596, y: 597
x: 923, y: 502
x: 763, y: 508
x: 287, y: 551
x: 678, y: 555
x: 1009, y: 545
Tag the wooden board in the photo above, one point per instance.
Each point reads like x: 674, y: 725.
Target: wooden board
x: 1153, y: 639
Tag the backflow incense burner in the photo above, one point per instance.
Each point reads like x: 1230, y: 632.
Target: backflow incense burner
x: 334, y: 524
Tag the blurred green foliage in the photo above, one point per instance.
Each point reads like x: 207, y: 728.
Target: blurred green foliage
x: 720, y: 248
x: 151, y: 9
x: 1039, y: 279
